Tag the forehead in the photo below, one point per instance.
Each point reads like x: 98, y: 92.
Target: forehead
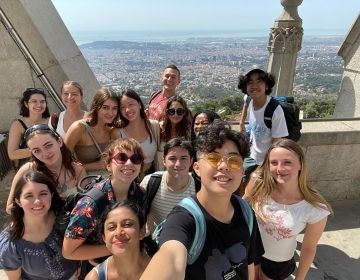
x: 176, y: 104
x: 37, y: 96
x: 110, y: 102
x: 201, y: 117
x: 178, y: 151
x: 70, y: 88
x: 34, y: 187
x: 39, y: 139
x: 120, y: 213
x: 229, y: 147
x: 127, y: 99
x: 170, y: 71
x: 280, y: 152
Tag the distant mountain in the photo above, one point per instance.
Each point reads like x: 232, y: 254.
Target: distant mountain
x: 126, y: 45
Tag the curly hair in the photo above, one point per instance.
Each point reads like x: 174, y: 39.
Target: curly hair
x: 183, y: 127
x: 265, y: 183
x: 15, y: 222
x: 211, y: 116
x: 24, y: 110
x: 268, y: 78
x: 216, y: 134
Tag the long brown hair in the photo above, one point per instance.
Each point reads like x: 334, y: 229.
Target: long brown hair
x: 265, y: 183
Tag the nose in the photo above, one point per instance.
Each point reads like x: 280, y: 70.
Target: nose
x: 119, y: 231
x: 222, y: 164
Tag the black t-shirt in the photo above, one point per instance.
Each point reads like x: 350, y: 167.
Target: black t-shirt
x: 228, y: 248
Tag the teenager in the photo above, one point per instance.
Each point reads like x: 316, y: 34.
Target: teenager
x: 229, y: 250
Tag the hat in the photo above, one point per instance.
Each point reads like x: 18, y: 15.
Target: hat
x: 254, y: 70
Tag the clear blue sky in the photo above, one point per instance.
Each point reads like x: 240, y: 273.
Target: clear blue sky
x: 110, y: 15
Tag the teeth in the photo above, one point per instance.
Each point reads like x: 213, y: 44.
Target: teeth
x: 222, y: 179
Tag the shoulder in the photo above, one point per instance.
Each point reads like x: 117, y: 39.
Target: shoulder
x: 7, y: 246
x: 315, y: 213
x: 17, y: 126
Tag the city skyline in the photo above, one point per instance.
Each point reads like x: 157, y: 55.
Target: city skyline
x: 112, y: 15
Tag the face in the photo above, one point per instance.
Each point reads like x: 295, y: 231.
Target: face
x: 71, y: 96
x: 122, y: 231
x: 170, y: 79
x: 36, y: 104
x: 108, y: 111
x: 177, y: 162
x: 256, y: 88
x: 129, y: 108
x: 201, y: 120
x: 35, y: 199
x: 221, y: 179
x: 45, y: 148
x: 122, y: 168
x: 176, y: 118
x: 284, y: 166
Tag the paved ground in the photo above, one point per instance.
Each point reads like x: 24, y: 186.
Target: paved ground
x: 338, y: 253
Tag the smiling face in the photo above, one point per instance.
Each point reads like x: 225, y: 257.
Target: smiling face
x: 35, y: 199
x: 122, y: 231
x: 177, y: 162
x: 170, y: 79
x: 256, y: 87
x: 129, y: 108
x: 45, y: 148
x: 71, y: 96
x: 178, y: 113
x: 201, y: 120
x: 284, y: 166
x: 219, y: 180
x: 108, y: 111
x: 36, y: 104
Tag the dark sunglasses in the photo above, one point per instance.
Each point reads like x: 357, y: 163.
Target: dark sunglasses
x: 37, y: 127
x: 178, y: 111
x: 121, y: 158
x: 32, y: 90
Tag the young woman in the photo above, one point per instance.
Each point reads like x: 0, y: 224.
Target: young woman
x: 53, y: 158
x: 33, y: 110
x: 201, y: 119
x: 71, y: 96
x: 136, y: 125
x: 124, y: 159
x: 89, y: 137
x: 285, y: 204
x: 122, y: 228
x: 29, y: 246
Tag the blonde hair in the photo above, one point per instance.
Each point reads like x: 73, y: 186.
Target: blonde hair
x: 265, y: 183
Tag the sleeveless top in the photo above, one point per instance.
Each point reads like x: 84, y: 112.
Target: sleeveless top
x: 102, y: 270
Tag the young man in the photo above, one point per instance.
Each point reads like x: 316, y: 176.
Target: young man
x: 229, y: 250
x: 157, y: 103
x: 176, y: 182
x: 258, y: 85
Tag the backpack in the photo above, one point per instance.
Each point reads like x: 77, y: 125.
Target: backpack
x: 63, y: 217
x: 200, y: 225
x: 54, y: 120
x: 291, y: 113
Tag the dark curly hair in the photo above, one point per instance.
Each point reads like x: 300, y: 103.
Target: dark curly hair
x: 211, y: 115
x: 183, y: 127
x: 24, y: 111
x: 216, y: 134
x: 268, y: 78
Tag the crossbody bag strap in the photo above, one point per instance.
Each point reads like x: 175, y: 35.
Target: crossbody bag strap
x: 88, y: 130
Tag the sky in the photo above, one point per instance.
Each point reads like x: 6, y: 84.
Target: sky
x: 112, y: 15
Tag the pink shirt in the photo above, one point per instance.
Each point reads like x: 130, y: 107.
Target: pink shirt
x: 157, y: 107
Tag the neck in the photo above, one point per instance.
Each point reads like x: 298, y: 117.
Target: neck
x: 287, y: 192
x: 35, y: 118
x: 129, y: 265
x: 35, y: 223
x: 177, y: 184
x: 168, y: 92
x: 120, y: 189
x: 259, y: 102
x: 74, y: 112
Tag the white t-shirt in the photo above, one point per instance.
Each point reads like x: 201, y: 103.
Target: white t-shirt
x: 261, y: 136
x: 285, y: 223
x: 60, y: 126
x: 165, y: 199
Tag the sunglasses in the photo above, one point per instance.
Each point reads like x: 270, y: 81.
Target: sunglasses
x: 178, y: 111
x: 233, y: 162
x: 37, y: 127
x: 31, y: 90
x: 121, y: 158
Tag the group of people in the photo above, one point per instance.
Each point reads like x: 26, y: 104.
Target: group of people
x: 152, y: 159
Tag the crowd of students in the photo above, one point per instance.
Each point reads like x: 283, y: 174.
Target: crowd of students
x: 167, y: 173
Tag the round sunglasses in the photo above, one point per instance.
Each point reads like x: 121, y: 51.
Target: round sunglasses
x: 178, y: 111
x: 121, y: 158
x: 233, y: 162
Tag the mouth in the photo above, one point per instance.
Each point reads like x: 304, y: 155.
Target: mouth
x: 38, y: 208
x: 128, y: 172
x: 222, y: 179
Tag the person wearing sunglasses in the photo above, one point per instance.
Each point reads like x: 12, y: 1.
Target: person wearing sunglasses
x: 231, y: 247
x: 33, y: 110
x: 71, y: 96
x: 50, y: 156
x: 124, y: 160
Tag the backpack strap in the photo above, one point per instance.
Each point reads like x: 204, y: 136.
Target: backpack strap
x: 269, y: 112
x: 151, y: 190
x: 99, y: 197
x: 247, y: 100
x: 153, y: 95
x: 200, y: 233
x: 247, y: 213
x: 54, y: 120
x: 88, y: 130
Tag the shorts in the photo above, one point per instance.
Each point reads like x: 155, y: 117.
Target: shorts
x: 277, y: 270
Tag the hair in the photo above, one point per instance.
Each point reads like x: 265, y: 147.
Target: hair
x: 128, y: 144
x: 133, y: 95
x: 174, y: 67
x: 265, y: 183
x: 268, y: 78
x: 215, y: 135
x: 99, y: 98
x: 183, y: 127
x: 179, y: 142
x: 130, y: 204
x: 66, y: 156
x: 74, y: 84
x: 211, y: 115
x: 15, y: 223
x: 24, y: 111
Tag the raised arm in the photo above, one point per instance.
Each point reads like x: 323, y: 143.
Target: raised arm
x: 15, y: 134
x: 312, y: 235
x: 77, y: 249
x: 243, y: 118
x: 169, y: 263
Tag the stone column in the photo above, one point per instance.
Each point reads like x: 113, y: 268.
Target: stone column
x: 284, y: 43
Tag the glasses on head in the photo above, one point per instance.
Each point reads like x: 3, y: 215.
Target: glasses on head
x: 233, y: 162
x: 32, y: 90
x: 36, y: 127
x: 178, y: 111
x: 121, y: 158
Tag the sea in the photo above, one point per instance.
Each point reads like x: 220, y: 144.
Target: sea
x: 88, y: 36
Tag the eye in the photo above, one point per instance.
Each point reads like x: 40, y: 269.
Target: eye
x: 111, y: 227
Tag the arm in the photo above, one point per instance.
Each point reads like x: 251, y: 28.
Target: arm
x: 312, y: 235
x: 251, y: 272
x: 170, y: 260
x: 76, y: 249
x: 15, y: 134
x: 73, y: 135
x: 100, y: 164
x: 13, y: 274
x: 243, y: 118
